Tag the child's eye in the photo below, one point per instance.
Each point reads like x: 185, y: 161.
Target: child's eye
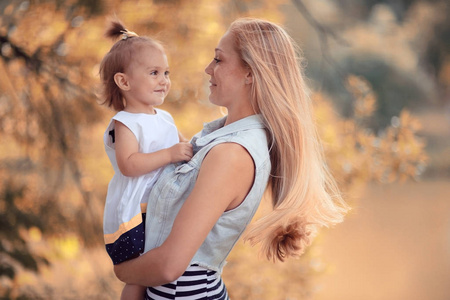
x: 217, y: 60
x: 154, y: 73
x: 167, y: 73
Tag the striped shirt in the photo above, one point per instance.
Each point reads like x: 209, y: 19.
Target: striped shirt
x: 196, y: 283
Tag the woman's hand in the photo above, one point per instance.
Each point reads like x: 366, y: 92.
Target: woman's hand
x: 121, y: 270
x: 149, y: 269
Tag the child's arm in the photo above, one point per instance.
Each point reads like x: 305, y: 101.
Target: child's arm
x: 132, y: 163
x: 182, y: 138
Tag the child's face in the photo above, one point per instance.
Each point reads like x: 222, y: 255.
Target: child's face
x: 148, y: 77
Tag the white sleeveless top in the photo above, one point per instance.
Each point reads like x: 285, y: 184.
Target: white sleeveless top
x: 128, y: 196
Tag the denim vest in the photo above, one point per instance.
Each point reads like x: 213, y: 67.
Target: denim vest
x: 177, y: 181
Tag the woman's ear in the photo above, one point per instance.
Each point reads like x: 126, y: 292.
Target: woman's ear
x: 248, y: 78
x: 121, y: 80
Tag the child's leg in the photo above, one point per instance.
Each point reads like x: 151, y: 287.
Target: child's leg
x: 133, y: 292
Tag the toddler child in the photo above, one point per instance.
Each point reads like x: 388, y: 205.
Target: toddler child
x: 139, y: 140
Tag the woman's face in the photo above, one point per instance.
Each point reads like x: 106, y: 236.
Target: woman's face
x: 228, y: 75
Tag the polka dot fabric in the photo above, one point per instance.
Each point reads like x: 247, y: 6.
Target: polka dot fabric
x: 129, y: 245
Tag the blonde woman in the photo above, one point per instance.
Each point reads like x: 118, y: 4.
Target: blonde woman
x: 268, y: 141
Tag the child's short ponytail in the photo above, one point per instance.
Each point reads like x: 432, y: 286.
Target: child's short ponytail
x: 115, y: 29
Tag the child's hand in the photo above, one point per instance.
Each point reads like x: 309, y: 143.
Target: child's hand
x: 181, y: 152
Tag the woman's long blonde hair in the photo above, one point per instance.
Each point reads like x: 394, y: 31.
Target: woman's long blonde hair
x: 304, y: 194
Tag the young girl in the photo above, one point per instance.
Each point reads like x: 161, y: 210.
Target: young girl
x: 139, y: 140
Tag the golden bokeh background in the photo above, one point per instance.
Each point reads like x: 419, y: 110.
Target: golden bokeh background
x: 379, y: 73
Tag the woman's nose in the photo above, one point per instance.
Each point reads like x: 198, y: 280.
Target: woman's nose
x: 208, y: 69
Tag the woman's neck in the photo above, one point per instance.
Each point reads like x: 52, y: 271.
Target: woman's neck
x: 238, y: 113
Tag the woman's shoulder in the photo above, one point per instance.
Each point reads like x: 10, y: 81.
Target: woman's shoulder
x: 255, y: 141
x: 231, y: 151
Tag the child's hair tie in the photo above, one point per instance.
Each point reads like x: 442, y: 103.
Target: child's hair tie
x: 128, y: 34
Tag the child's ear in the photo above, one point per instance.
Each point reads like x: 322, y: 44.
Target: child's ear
x: 122, y: 82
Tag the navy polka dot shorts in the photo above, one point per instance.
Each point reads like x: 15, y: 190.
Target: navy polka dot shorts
x: 129, y: 245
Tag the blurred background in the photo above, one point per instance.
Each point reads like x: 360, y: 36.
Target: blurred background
x: 379, y: 73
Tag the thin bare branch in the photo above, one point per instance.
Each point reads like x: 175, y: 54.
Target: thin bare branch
x: 324, y: 33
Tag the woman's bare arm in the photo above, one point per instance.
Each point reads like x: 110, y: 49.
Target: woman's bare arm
x: 224, y: 180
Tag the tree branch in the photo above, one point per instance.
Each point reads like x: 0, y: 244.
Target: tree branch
x: 324, y: 32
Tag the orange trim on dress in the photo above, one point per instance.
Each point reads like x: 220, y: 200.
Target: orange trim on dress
x: 124, y: 227
x: 143, y: 207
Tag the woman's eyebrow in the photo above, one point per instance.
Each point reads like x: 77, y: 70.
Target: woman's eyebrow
x: 218, y: 49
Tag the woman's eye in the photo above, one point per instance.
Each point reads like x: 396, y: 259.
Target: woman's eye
x: 217, y: 60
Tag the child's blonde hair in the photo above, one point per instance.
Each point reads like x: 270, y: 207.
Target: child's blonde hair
x: 118, y: 60
x: 304, y: 194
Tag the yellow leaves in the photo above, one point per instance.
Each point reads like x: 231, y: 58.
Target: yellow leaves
x: 25, y: 278
x: 212, y: 28
x: 35, y: 234
x: 326, y: 118
x: 87, y: 183
x: 356, y: 154
x: 253, y: 278
x: 67, y: 247
x: 8, y: 9
x: 365, y: 103
x: 408, y: 121
x: 403, y: 152
x: 43, y: 23
x: 64, y: 247
x: 192, y: 122
x: 87, y: 271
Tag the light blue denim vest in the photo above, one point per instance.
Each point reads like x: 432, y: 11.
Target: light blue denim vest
x: 177, y: 181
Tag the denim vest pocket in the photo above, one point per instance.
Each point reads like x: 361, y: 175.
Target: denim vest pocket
x: 183, y: 168
x: 183, y: 175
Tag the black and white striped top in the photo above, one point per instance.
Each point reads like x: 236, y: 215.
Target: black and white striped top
x: 196, y: 283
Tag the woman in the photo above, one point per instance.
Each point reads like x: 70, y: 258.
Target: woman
x: 268, y: 139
